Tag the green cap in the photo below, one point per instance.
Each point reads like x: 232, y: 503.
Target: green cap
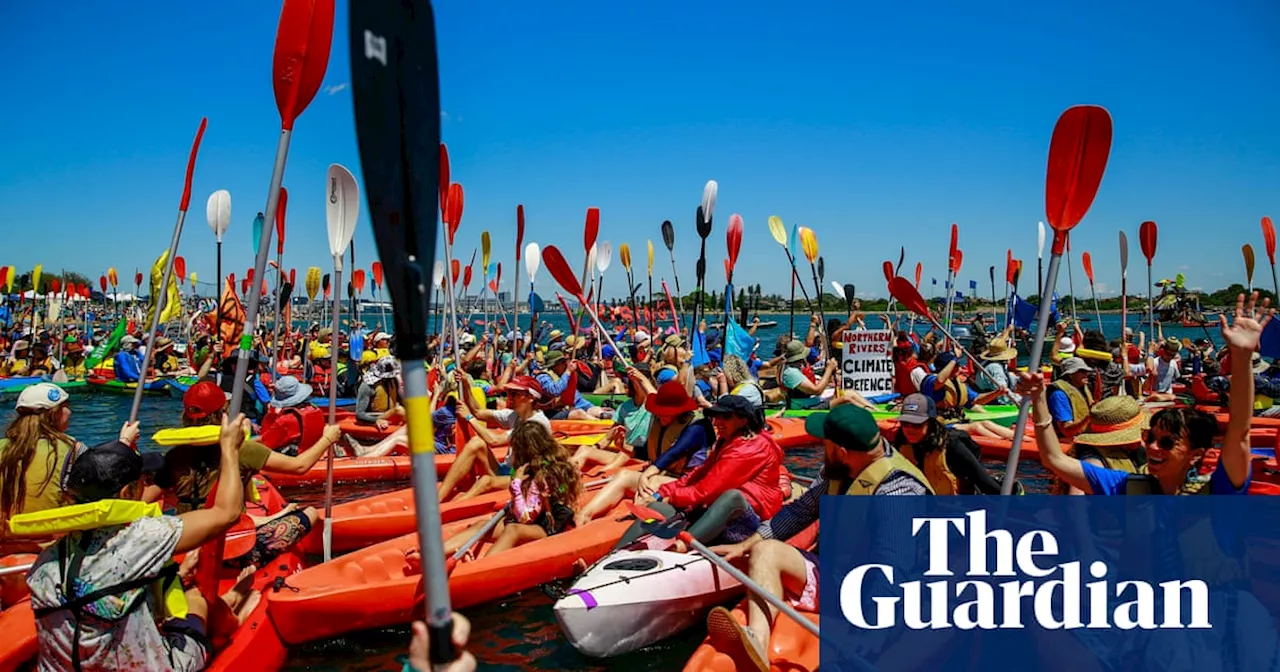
x: 848, y: 426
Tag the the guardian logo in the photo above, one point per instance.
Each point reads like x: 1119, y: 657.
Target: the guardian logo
x: 1048, y: 592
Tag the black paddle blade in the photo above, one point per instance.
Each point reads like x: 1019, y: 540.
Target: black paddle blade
x: 822, y: 272
x: 704, y: 224
x: 849, y: 293
x: 286, y: 293
x: 669, y: 235
x: 325, y: 283
x: 396, y: 88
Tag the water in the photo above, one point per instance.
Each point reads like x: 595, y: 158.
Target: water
x: 518, y: 633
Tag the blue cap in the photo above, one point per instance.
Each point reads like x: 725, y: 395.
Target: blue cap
x: 608, y: 352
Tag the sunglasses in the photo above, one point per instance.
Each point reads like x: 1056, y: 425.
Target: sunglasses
x: 1166, y: 442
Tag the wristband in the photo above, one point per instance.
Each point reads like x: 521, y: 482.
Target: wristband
x: 657, y: 496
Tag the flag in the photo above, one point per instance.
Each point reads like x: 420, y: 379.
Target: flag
x: 173, y: 298
x: 100, y: 353
x: 1024, y: 312
x: 737, y: 341
x: 960, y: 295
x: 973, y: 284
x: 935, y: 280
x: 233, y: 314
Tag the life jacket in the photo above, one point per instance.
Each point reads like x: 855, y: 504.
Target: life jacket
x: 661, y: 439
x: 570, y: 393
x: 1081, y: 401
x: 69, y: 521
x: 954, y: 396
x: 869, y: 479
x: 189, y: 438
x: 935, y: 470
x: 310, y: 419
x: 384, y: 400
x: 589, y: 378
x: 902, y: 383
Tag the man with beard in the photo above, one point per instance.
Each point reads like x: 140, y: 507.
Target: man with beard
x: 858, y: 462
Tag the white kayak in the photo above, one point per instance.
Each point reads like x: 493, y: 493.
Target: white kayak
x: 632, y: 599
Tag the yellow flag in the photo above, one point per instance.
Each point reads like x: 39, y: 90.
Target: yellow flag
x: 8, y: 281
x: 173, y: 299
x: 35, y: 277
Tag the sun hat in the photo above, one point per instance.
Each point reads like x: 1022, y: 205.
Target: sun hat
x: 202, y: 400
x: 381, y: 336
x: 163, y: 343
x: 21, y: 344
x: 1114, y: 421
x: 384, y: 369
x: 641, y: 336
x: 556, y: 333
x: 290, y: 392
x: 796, y: 351
x: 1259, y: 364
x: 998, y: 350
x: 848, y: 426
x: 671, y: 399
x: 41, y: 397
x: 1072, y: 365
x: 553, y: 357
x: 1066, y: 345
x: 1172, y: 345
x: 917, y: 409
x: 673, y: 341
x: 324, y: 331
x: 574, y: 341
x: 527, y: 384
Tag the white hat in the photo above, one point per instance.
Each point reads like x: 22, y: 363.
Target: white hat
x: 1066, y: 345
x: 641, y: 336
x: 41, y: 397
x: 381, y: 335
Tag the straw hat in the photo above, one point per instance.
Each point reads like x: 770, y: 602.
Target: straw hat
x: 575, y: 341
x: 998, y: 350
x: 1115, y: 421
x: 1260, y: 365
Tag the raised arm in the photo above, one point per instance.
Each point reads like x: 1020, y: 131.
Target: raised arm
x: 1241, y: 338
x: 1051, y: 456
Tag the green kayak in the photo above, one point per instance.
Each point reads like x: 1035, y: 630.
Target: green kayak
x: 1001, y: 415
x: 12, y: 392
x: 155, y: 387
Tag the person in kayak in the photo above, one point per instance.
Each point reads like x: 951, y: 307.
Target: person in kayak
x: 630, y: 431
x: 1071, y: 396
x: 17, y: 362
x: 188, y: 472
x: 42, y: 363
x: 737, y: 486
x: 1163, y: 369
x: 796, y: 388
x: 73, y: 359
x: 378, y: 400
x: 996, y: 358
x: 858, y: 461
x: 559, y: 388
x: 109, y: 597
x: 292, y: 424
x: 522, y: 392
x: 678, y: 441
x: 36, y: 453
x: 1178, y: 437
x: 949, y: 389
x: 949, y: 458
x: 127, y: 364
x: 544, y: 488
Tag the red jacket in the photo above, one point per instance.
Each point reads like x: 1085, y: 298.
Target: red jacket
x: 749, y: 465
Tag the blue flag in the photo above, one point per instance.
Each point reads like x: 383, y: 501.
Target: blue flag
x: 973, y: 284
x: 1024, y: 312
x: 736, y: 339
x: 1269, y: 345
x: 935, y: 280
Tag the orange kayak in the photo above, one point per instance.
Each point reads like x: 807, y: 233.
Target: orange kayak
x: 366, y: 469
x: 791, y: 648
x: 789, y: 432
x: 370, y: 433
x: 370, y: 520
x: 375, y: 587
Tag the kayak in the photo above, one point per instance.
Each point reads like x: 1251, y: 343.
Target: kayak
x: 791, y: 648
x: 8, y: 392
x: 634, y: 598
x: 111, y: 386
x: 375, y: 587
x: 371, y: 520
x: 1002, y: 415
x: 180, y: 384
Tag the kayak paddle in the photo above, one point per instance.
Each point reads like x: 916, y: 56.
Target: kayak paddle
x: 275, y: 319
x: 624, y: 254
x: 515, y: 298
x: 1247, y: 250
x: 1124, y: 288
x: 218, y: 212
x: 669, y: 239
x: 532, y: 260
x: 1071, y: 283
x: 1088, y: 272
x: 1147, y: 239
x: 342, y: 209
x: 653, y: 324
x: 298, y: 64
x: 162, y: 292
x: 702, y: 219
x: 395, y: 83
x: 1078, y: 154
x: 1269, y: 237
x: 901, y: 289
x: 604, y: 257
x: 649, y: 515
x: 559, y: 269
x: 1040, y: 264
x: 809, y: 243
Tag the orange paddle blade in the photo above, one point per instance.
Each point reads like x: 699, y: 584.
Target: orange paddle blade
x: 1248, y: 261
x: 1269, y: 235
x: 906, y: 294
x: 1088, y: 266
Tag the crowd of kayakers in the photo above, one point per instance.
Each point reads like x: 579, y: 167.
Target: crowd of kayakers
x: 108, y: 522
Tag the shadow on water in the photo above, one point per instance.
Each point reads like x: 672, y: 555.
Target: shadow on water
x: 518, y: 633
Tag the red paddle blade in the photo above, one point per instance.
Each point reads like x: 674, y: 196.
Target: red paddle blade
x: 591, y: 230
x: 728, y: 270
x: 733, y: 237
x: 1269, y: 235
x: 284, y: 202
x: 888, y: 271
x: 919, y: 270
x: 901, y: 289
x: 956, y: 260
x: 1009, y: 267
x: 644, y: 513
x: 466, y: 277
x: 951, y: 252
x: 191, y: 165
x: 1088, y: 266
x: 519, y: 230
x: 102, y: 282
x: 293, y: 275
x: 444, y: 181
x: 559, y: 269
x: 302, y: 55
x: 453, y: 215
x: 1078, y: 155
x: 180, y: 267
x: 376, y: 267
x: 357, y: 279
x: 456, y: 268
x: 1147, y: 236
x: 248, y: 275
x: 137, y: 278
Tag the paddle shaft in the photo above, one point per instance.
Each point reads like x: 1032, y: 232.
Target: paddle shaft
x: 752, y: 586
x: 149, y: 357
x: 260, y: 267
x: 334, y: 345
x: 16, y: 569
x: 603, y: 332
x: 1071, y: 286
x: 966, y: 352
x: 676, y: 276
x: 1024, y: 407
x: 275, y: 319
x: 482, y: 532
x: 1097, y: 312
x: 1275, y: 285
x: 1151, y: 322
x: 453, y: 308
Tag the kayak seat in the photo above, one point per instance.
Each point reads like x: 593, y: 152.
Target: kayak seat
x: 633, y: 565
x: 371, y: 569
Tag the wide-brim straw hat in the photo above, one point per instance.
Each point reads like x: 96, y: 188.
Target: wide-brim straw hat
x: 1115, y: 421
x: 998, y: 350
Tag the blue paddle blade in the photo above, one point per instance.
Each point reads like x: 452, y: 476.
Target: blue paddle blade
x: 257, y: 232
x: 535, y: 302
x: 794, y: 240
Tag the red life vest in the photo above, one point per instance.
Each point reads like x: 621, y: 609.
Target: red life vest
x: 902, y: 376
x: 310, y: 419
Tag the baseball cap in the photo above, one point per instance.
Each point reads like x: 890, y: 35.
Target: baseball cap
x: 918, y: 409
x: 202, y: 400
x: 730, y: 404
x: 848, y: 426
x: 41, y: 397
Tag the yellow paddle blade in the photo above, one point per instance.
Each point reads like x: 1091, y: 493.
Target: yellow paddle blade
x: 624, y: 252
x: 809, y: 241
x: 313, y: 282
x: 35, y: 277
x: 192, y: 276
x: 484, y: 249
x: 651, y: 257
x: 778, y: 230
x: 8, y: 283
x: 1248, y: 261
x: 112, y: 277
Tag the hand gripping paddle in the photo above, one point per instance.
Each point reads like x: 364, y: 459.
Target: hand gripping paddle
x: 395, y: 83
x: 1078, y: 155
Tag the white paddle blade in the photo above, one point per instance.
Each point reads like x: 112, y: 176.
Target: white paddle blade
x: 592, y: 255
x: 709, y: 198
x: 1040, y: 242
x: 532, y: 260
x: 218, y: 211
x: 342, y: 207
x: 437, y: 274
x: 604, y: 255
x: 839, y: 289
x: 1124, y: 255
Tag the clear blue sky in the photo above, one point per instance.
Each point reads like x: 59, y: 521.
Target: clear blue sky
x: 877, y: 126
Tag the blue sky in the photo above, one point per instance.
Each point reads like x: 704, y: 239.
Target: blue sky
x: 877, y: 126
